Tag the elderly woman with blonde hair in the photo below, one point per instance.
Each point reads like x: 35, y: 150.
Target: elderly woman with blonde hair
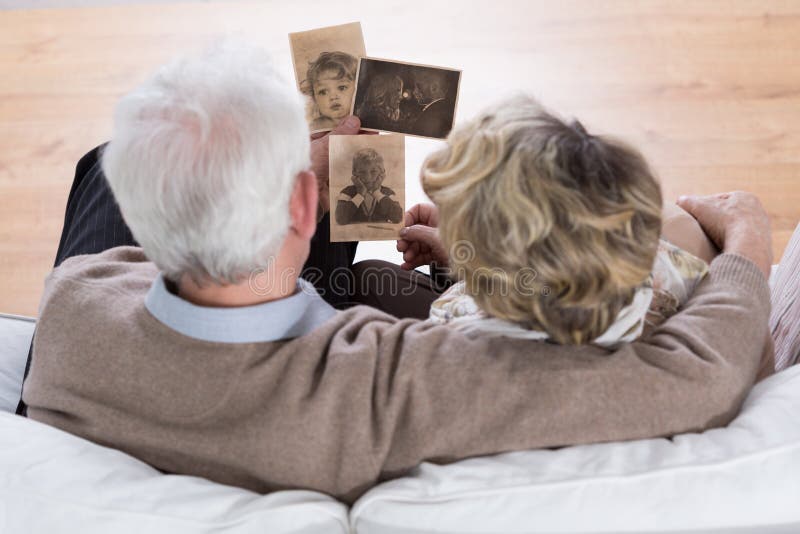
x: 381, y: 105
x: 555, y: 234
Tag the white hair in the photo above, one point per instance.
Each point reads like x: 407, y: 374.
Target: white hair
x: 203, y: 161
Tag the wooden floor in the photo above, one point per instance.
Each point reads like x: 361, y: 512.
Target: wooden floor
x: 710, y: 91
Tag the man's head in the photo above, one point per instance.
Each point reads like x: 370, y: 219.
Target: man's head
x: 368, y: 169
x: 429, y: 85
x: 208, y: 163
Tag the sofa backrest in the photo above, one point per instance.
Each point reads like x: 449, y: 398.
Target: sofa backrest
x: 743, y: 478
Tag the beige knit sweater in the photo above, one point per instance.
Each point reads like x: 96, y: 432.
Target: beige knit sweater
x: 366, y: 397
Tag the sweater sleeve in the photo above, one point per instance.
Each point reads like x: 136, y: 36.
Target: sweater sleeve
x: 439, y: 396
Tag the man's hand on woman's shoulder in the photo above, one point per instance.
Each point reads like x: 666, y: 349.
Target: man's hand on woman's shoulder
x: 736, y: 222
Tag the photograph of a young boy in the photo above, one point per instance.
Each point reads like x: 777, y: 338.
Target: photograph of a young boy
x: 367, y: 200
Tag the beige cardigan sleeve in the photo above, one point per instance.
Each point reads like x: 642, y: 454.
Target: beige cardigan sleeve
x: 437, y: 395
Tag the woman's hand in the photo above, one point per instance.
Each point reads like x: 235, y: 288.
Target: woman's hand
x: 736, y: 222
x: 420, y: 243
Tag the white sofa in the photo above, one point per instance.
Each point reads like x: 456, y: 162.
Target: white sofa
x: 741, y: 479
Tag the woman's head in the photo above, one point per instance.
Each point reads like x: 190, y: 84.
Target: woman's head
x: 330, y: 81
x: 547, y: 225
x: 384, y: 95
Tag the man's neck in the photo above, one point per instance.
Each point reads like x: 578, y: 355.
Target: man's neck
x: 261, y: 286
x: 228, y: 296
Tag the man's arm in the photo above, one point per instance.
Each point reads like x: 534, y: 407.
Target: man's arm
x: 396, y: 393
x: 438, y: 395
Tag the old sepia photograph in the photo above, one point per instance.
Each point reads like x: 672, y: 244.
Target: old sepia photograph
x: 406, y: 98
x: 367, y: 187
x: 325, y: 65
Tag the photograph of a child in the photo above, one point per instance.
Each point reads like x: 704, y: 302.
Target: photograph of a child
x: 325, y: 65
x: 406, y: 98
x: 368, y: 172
x: 367, y: 200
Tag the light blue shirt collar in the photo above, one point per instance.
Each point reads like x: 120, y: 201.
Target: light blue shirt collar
x: 286, y: 318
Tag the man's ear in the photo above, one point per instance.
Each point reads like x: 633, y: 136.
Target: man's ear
x: 303, y: 204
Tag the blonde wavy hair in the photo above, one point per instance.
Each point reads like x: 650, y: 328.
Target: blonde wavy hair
x: 568, y: 221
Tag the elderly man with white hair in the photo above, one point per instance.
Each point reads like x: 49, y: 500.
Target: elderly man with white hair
x: 204, y: 352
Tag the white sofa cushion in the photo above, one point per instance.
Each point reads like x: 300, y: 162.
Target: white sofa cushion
x: 743, y: 478
x: 15, y: 339
x: 53, y: 482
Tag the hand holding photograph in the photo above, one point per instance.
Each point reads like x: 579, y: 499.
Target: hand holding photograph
x: 367, y: 181
x: 406, y: 98
x: 325, y: 64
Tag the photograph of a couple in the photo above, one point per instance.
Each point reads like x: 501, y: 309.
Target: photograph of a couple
x: 406, y: 98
